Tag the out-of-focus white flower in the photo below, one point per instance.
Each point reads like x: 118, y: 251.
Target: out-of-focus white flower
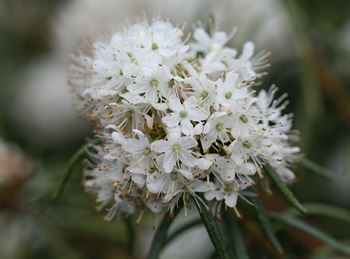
x: 177, y: 120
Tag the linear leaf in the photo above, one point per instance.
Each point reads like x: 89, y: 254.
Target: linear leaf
x: 236, y: 238
x: 130, y: 234
x: 316, y: 169
x: 283, y: 188
x: 325, y: 210
x: 265, y: 225
x: 76, y: 158
x: 213, y: 230
x: 160, y: 236
x: 298, y: 224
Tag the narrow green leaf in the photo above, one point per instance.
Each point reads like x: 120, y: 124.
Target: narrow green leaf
x: 182, y: 229
x: 160, y: 237
x: 130, y: 234
x: 236, y: 238
x: 325, y: 210
x: 316, y: 169
x: 283, y: 188
x: 298, y: 224
x: 211, y: 25
x: 76, y: 158
x: 265, y: 225
x: 213, y: 231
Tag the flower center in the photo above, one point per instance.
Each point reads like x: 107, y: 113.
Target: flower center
x: 204, y: 94
x: 154, y: 83
x: 246, y: 144
x: 219, y: 127
x: 176, y: 148
x: 183, y: 114
x: 228, y: 95
x: 215, y: 46
x: 171, y: 83
x: 173, y: 176
x: 229, y: 187
x: 146, y: 151
x: 243, y: 118
x: 154, y: 46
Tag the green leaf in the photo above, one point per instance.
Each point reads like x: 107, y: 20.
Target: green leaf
x: 211, y: 25
x: 130, y: 234
x: 160, y: 237
x: 265, y: 224
x: 283, y: 188
x: 236, y: 238
x: 325, y: 210
x: 76, y: 158
x: 316, y: 169
x: 182, y: 229
x: 213, y: 230
x: 298, y: 224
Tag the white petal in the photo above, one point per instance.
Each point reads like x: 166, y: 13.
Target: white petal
x: 231, y: 199
x: 186, y: 127
x: 197, y: 114
x: 155, y: 182
x: 204, y: 164
x: 171, y: 119
x: 118, y: 138
x: 187, y: 174
x: 187, y: 158
x: 236, y: 152
x: 169, y: 161
x: 160, y: 146
x: 248, y: 51
x: 149, y: 121
x: 175, y: 104
x: 133, y: 146
x: 188, y: 142
x: 198, y: 129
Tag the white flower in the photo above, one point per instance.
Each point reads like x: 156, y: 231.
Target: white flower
x: 227, y: 192
x: 215, y: 128
x: 175, y: 150
x: 176, y: 120
x: 230, y: 92
x: 152, y: 86
x: 205, y: 43
x: 184, y: 113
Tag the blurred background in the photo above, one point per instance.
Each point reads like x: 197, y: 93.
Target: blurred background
x: 309, y: 43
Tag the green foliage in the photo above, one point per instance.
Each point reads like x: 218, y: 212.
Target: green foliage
x: 236, y: 238
x: 213, y: 230
x: 300, y: 225
x: 76, y: 158
x: 316, y: 169
x: 160, y: 237
x: 283, y: 188
x: 265, y: 224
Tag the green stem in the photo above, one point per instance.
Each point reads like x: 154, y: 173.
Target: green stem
x: 130, y: 233
x: 236, y: 238
x: 283, y: 188
x: 316, y: 169
x: 213, y: 231
x: 160, y: 237
x: 77, y: 157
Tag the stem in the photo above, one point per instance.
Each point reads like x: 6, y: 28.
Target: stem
x: 77, y: 157
x: 213, y: 231
x: 235, y: 237
x: 130, y: 234
x: 160, y: 237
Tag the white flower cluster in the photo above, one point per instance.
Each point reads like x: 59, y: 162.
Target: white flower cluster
x: 177, y: 118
